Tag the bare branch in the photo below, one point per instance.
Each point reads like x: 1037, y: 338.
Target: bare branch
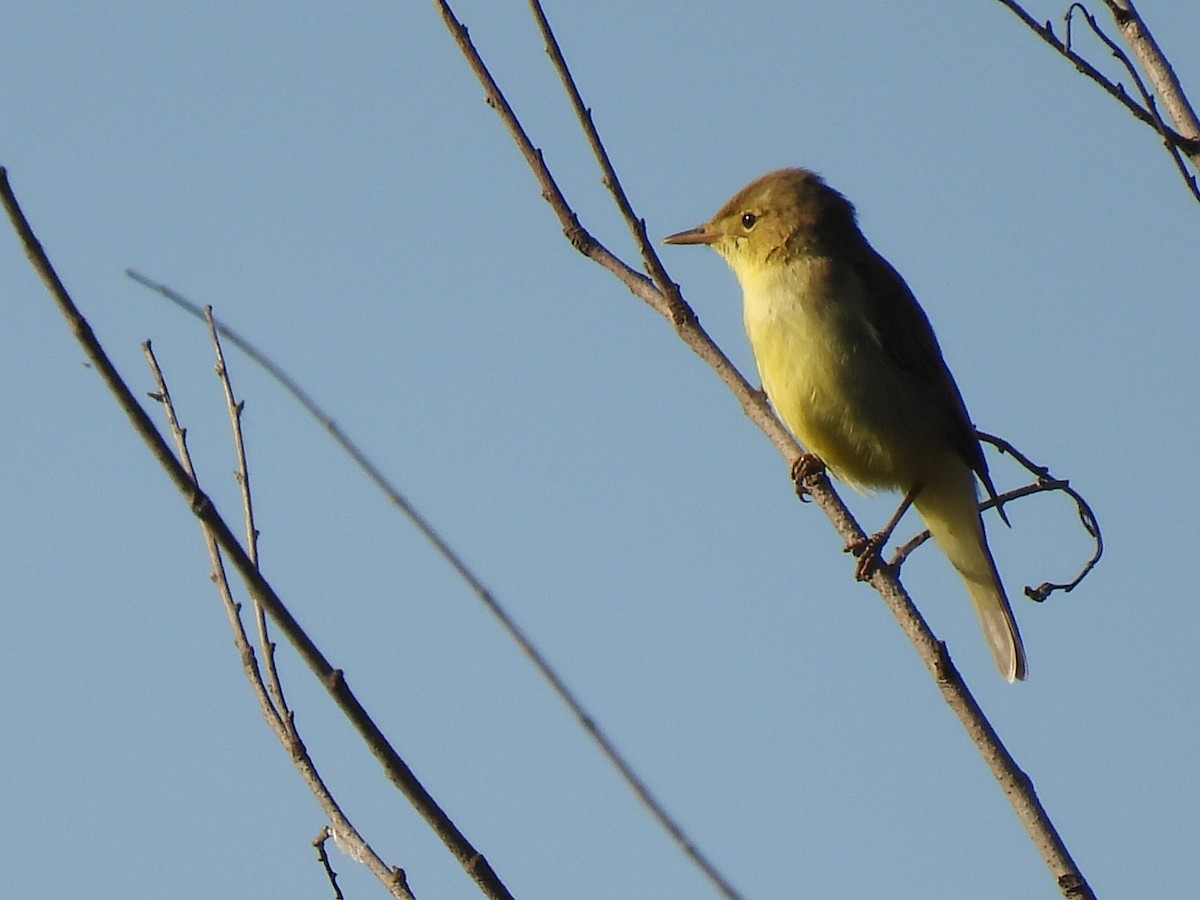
x: 586, y: 720
x: 1116, y: 91
x: 1015, y: 784
x: 259, y: 588
x: 1158, y: 68
x: 1186, y: 139
x: 279, y: 718
x: 677, y: 311
x: 636, y: 226
x: 1147, y: 97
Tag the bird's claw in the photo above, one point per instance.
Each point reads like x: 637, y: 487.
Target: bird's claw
x: 867, y: 550
x: 806, y: 466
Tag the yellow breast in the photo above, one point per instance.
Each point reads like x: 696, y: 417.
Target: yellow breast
x: 826, y: 372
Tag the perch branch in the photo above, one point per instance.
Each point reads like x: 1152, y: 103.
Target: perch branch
x: 1015, y: 784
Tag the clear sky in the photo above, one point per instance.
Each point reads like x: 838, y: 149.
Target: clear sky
x: 328, y: 177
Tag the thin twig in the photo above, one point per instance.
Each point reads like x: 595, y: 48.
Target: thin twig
x: 1147, y: 97
x: 333, y: 680
x: 280, y: 719
x: 284, y: 721
x: 232, y: 608
x: 1015, y: 784
x: 1188, y: 143
x: 586, y: 720
x: 243, y: 479
x: 323, y: 857
x: 637, y: 226
x: 1045, y: 483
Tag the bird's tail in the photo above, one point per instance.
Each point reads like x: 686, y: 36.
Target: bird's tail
x: 949, y: 506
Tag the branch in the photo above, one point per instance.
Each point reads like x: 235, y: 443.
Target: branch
x: 1147, y: 97
x: 670, y: 305
x: 333, y: 680
x: 1187, y: 137
x: 637, y: 226
x: 1158, y: 68
x: 586, y: 720
x: 1015, y: 784
x: 278, y: 717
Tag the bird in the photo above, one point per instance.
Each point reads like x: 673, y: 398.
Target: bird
x: 851, y: 365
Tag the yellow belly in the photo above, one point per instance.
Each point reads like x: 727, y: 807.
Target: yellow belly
x: 835, y: 388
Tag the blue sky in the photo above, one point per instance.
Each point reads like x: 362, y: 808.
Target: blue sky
x: 331, y: 181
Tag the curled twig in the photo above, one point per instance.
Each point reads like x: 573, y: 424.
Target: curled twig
x: 1044, y: 483
x: 1086, y: 516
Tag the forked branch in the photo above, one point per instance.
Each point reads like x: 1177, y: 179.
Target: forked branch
x: 587, y: 721
x: 269, y: 694
x: 259, y: 588
x: 1184, y: 137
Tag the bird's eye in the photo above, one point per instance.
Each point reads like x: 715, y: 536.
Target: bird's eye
x: 749, y: 220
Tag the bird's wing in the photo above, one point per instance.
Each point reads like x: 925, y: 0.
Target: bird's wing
x: 905, y: 334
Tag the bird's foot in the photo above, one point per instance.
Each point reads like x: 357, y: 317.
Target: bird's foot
x: 806, y: 467
x: 867, y: 550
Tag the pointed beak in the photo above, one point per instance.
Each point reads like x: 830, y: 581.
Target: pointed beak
x: 701, y: 235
